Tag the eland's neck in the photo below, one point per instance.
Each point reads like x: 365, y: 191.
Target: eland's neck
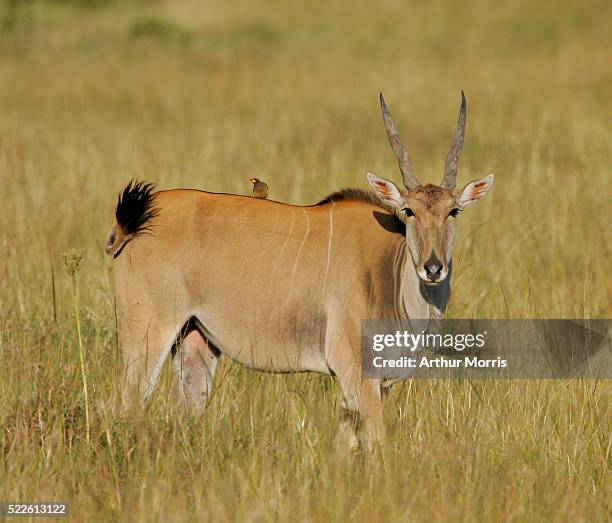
x: 420, y: 301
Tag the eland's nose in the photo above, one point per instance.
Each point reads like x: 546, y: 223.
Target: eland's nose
x: 433, y: 268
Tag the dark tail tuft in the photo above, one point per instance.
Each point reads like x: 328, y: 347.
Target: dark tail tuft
x: 135, y: 207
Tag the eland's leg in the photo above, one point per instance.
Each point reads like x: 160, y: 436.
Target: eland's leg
x: 371, y: 412
x: 362, y: 417
x: 146, y: 346
x: 195, y: 364
x: 362, y: 407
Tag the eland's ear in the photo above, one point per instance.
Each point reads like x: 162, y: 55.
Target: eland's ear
x: 475, y: 190
x: 386, y: 190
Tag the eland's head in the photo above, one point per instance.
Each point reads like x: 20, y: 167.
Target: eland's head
x: 429, y: 211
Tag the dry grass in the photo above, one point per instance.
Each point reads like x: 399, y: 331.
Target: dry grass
x: 209, y: 94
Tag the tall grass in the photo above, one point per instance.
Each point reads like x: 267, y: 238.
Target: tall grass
x: 289, y: 94
x: 73, y: 259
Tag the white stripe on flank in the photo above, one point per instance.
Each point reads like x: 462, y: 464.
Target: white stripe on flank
x: 329, y: 243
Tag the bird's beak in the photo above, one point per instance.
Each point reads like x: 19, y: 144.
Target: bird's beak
x: 252, y: 180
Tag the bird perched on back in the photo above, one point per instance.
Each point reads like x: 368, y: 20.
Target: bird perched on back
x: 260, y: 189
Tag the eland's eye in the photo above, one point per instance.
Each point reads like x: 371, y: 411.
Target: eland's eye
x: 408, y: 212
x: 454, y: 212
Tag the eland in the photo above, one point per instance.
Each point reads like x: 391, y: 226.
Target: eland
x: 278, y: 287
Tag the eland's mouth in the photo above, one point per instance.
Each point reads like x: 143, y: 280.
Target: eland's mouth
x: 432, y: 279
x: 431, y: 283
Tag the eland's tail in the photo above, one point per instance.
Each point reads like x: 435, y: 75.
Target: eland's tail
x: 135, y: 209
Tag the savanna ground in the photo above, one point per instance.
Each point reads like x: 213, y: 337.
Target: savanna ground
x: 208, y: 94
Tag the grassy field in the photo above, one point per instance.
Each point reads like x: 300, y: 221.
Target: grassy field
x: 209, y: 94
